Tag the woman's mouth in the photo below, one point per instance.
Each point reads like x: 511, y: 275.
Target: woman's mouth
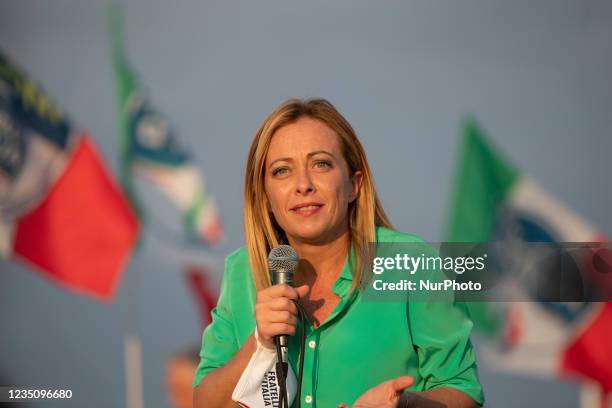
x: 306, y: 210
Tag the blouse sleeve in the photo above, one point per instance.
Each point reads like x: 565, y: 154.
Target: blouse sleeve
x: 440, y: 328
x: 441, y: 334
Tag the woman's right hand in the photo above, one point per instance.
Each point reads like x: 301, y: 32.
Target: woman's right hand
x: 275, y: 312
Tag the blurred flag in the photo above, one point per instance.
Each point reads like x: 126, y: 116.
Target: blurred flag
x: 151, y: 150
x: 59, y: 209
x: 199, y: 283
x: 493, y: 201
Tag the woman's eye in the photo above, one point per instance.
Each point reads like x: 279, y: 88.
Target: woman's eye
x: 322, y: 164
x: 279, y: 170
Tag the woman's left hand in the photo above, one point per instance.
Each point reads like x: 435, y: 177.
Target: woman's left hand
x: 384, y: 395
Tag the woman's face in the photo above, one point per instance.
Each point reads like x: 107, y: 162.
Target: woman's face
x: 307, y: 182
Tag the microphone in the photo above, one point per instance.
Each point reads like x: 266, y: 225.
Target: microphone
x: 282, y: 263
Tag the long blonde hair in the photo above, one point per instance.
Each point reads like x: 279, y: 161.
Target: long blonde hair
x: 261, y: 231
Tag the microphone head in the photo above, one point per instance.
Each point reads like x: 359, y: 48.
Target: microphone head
x: 283, y: 258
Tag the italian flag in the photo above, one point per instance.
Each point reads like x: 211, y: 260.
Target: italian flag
x: 82, y: 233
x: 493, y: 201
x: 152, y: 151
x: 61, y: 213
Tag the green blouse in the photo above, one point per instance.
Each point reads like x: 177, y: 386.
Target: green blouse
x: 361, y: 343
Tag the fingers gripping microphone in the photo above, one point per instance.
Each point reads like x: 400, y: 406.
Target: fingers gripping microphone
x: 282, y: 263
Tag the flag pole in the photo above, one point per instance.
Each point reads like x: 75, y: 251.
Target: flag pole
x: 592, y: 396
x: 134, y: 394
x: 132, y: 348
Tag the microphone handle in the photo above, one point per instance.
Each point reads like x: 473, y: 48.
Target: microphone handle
x: 280, y: 277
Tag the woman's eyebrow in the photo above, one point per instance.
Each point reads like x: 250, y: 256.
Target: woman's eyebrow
x: 281, y: 159
x: 309, y: 155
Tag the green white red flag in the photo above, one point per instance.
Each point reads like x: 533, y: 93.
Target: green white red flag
x: 152, y: 151
x: 60, y: 211
x: 495, y: 201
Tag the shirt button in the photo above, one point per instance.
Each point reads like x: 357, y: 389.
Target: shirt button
x: 308, y: 399
x: 312, y: 344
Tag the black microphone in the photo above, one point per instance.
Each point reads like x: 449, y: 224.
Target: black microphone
x: 282, y: 263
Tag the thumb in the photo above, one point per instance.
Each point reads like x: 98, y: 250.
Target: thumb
x: 302, y: 290
x: 398, y: 384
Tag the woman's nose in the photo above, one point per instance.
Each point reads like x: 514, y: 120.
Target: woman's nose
x: 304, y: 182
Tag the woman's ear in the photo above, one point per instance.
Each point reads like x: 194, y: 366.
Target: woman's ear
x: 356, y: 180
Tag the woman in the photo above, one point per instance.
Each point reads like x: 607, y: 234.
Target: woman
x: 308, y: 184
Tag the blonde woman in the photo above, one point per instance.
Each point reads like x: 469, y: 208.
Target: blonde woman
x: 308, y: 184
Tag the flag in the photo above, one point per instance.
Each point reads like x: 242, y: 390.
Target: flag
x: 198, y: 281
x: 495, y: 201
x: 152, y: 151
x: 60, y: 212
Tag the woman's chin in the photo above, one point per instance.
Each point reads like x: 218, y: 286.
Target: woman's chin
x: 307, y: 235
x: 312, y: 235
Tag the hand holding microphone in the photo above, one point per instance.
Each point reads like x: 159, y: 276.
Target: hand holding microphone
x: 275, y: 312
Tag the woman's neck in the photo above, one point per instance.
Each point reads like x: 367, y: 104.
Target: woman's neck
x: 322, y: 260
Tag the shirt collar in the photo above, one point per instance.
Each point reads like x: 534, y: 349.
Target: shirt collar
x: 343, y: 284
x: 345, y: 274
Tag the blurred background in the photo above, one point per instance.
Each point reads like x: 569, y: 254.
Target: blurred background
x: 536, y: 76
